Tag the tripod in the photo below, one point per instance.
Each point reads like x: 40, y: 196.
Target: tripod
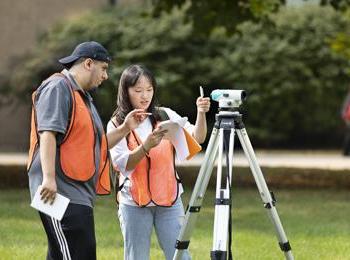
x: 222, y: 138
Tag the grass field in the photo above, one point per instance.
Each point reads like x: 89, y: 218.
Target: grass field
x: 316, y: 222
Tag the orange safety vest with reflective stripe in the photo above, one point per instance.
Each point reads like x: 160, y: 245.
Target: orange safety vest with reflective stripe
x: 154, y: 177
x: 77, y: 151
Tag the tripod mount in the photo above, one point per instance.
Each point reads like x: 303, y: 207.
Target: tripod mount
x: 228, y: 122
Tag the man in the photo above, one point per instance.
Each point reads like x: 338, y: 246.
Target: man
x: 345, y: 114
x: 68, y: 149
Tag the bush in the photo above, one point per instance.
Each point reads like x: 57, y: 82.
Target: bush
x: 295, y: 82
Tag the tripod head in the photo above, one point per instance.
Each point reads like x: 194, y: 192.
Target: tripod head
x: 229, y: 99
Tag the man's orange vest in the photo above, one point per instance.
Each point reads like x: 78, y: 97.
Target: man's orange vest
x: 77, y: 151
x: 154, y: 178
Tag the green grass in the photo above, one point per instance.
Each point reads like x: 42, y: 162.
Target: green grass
x: 316, y: 223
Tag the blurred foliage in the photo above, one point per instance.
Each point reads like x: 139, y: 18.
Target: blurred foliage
x: 337, y: 4
x: 207, y: 15
x: 341, y: 43
x: 295, y: 82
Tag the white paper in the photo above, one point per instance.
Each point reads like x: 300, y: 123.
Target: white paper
x: 172, y: 125
x: 176, y: 136
x: 55, y: 210
x: 180, y: 144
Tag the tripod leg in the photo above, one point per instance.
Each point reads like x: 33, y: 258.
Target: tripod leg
x: 197, y: 196
x: 221, y: 233
x: 265, y: 194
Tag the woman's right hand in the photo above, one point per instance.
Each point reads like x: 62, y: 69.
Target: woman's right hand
x: 134, y: 118
x: 154, y: 138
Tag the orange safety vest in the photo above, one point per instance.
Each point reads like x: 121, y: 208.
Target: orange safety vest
x: 154, y: 178
x: 77, y: 151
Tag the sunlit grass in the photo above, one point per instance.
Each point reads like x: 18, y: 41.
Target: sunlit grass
x: 316, y: 223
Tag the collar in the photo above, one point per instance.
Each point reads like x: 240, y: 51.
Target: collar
x: 75, y: 85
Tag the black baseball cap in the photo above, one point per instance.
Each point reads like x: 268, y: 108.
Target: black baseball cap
x: 93, y: 50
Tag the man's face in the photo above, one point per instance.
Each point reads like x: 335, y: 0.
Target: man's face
x: 99, y: 73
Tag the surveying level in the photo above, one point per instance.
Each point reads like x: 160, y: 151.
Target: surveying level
x: 227, y: 122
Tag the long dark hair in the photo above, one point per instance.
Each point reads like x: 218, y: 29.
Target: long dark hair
x: 128, y: 79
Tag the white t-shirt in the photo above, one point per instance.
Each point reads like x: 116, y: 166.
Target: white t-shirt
x: 120, y: 153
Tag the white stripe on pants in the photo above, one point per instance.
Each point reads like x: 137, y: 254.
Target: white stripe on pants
x: 61, y: 239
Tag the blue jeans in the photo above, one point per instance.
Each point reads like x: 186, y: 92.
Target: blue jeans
x: 137, y: 223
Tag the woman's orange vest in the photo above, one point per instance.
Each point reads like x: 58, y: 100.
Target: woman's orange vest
x: 154, y: 178
x: 77, y: 151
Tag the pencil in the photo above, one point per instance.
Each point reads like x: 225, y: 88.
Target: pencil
x: 201, y: 91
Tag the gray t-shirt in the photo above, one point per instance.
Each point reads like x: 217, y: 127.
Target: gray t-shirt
x: 53, y: 106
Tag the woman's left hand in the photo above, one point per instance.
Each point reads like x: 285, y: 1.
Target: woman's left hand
x: 203, y: 104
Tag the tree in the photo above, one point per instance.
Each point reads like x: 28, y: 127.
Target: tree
x: 295, y: 82
x: 336, y: 4
x: 207, y: 15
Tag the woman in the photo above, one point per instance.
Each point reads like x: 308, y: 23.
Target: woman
x: 150, y: 191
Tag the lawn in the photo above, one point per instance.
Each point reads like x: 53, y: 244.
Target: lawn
x: 316, y: 223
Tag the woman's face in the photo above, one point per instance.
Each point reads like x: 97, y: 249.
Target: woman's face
x: 141, y: 93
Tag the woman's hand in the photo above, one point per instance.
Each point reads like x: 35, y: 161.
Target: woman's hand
x: 134, y: 118
x: 203, y: 104
x: 151, y: 141
x: 154, y: 138
x: 200, y: 128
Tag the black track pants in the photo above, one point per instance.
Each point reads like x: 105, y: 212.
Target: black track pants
x: 72, y: 238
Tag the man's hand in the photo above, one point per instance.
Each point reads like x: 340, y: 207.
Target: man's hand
x: 48, y: 190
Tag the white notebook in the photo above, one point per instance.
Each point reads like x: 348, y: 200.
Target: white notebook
x: 55, y: 210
